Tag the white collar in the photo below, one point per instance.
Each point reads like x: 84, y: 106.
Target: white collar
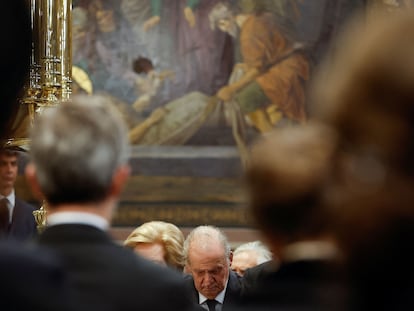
x: 11, y: 197
x: 83, y: 218
x: 219, y: 298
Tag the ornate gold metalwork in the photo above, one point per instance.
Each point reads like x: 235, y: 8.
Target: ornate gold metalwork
x: 50, y: 65
x: 40, y: 217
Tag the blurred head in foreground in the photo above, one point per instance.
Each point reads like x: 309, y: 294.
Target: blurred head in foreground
x: 366, y: 93
x: 287, y: 172
x: 79, y: 154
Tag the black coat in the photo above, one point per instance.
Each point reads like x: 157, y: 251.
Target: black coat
x: 105, y: 276
x: 23, y: 225
x: 297, y: 285
x: 32, y: 278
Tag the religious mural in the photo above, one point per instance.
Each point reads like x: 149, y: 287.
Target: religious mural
x: 198, y: 78
x: 203, y: 72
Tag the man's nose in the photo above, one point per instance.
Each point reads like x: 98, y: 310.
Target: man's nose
x: 208, y: 278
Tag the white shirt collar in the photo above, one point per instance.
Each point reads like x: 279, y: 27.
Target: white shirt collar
x: 82, y: 218
x: 219, y: 298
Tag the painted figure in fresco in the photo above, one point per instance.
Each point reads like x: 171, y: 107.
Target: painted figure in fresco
x: 156, y: 13
x: 274, y: 68
x: 148, y: 81
x: 153, y: 43
x: 109, y: 66
x: 198, y: 50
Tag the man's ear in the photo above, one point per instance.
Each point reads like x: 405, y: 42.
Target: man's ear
x: 231, y: 257
x: 30, y: 173
x: 119, y: 180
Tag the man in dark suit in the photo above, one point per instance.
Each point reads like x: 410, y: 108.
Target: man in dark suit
x: 16, y: 216
x: 208, y: 260
x: 79, y: 154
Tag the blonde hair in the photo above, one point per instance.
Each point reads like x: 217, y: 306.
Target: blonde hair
x: 169, y: 235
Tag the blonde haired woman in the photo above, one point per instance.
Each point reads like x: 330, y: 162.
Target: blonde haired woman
x: 158, y: 241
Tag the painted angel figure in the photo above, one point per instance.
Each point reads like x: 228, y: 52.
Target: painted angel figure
x: 148, y: 81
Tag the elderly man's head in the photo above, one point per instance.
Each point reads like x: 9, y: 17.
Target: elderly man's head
x: 287, y: 172
x: 248, y: 255
x: 208, y: 259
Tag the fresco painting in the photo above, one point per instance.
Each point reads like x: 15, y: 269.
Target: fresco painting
x: 211, y: 72
x: 197, y: 81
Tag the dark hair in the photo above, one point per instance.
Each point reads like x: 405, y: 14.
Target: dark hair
x: 285, y: 178
x: 9, y: 152
x: 142, y: 64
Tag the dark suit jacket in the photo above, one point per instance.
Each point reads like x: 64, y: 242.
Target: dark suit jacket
x: 232, y: 292
x: 254, y: 276
x: 23, y: 226
x: 32, y: 279
x: 105, y: 276
x: 297, y: 285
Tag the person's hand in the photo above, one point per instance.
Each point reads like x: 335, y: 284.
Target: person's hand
x: 151, y: 22
x: 189, y: 16
x: 225, y: 93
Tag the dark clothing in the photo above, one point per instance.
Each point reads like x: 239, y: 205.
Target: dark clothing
x: 23, y: 225
x: 231, y: 297
x: 105, y: 276
x: 297, y: 285
x: 253, y: 277
x: 32, y: 279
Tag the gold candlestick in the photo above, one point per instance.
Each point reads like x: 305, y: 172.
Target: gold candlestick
x: 40, y: 217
